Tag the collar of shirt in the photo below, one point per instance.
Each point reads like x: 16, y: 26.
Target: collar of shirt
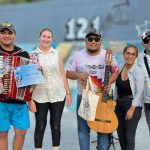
x: 51, y: 50
x: 131, y: 69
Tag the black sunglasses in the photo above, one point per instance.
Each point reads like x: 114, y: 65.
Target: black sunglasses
x: 146, y: 41
x: 96, y: 39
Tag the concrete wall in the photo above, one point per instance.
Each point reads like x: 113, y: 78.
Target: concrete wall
x: 116, y: 19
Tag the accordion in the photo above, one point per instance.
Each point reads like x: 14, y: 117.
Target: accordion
x: 9, y: 91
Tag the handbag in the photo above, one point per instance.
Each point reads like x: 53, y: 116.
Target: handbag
x: 89, y: 101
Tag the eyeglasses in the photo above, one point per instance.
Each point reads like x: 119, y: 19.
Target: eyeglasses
x: 96, y: 39
x: 146, y: 41
x: 130, y: 54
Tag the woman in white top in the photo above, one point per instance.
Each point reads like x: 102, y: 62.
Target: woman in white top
x: 50, y: 95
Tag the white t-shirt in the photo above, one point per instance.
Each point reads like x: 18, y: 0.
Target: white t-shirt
x: 93, y: 65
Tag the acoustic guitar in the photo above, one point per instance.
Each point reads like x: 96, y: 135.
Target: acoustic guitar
x: 105, y: 119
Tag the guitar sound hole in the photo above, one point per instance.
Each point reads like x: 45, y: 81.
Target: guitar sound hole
x: 105, y: 121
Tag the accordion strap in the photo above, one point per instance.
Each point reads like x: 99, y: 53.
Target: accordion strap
x: 146, y: 65
x: 13, y: 54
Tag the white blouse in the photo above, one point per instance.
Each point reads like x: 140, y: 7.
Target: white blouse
x: 52, y: 90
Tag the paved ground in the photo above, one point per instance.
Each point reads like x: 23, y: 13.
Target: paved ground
x: 69, y: 135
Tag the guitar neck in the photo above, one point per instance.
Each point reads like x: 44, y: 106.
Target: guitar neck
x: 106, y: 82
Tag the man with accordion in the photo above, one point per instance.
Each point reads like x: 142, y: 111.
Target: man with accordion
x: 13, y: 107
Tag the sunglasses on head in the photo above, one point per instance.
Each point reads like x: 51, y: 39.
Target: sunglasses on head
x: 96, y: 39
x: 146, y: 41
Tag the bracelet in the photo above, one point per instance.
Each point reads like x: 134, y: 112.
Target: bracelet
x: 68, y: 94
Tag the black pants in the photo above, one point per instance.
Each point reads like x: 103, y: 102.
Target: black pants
x: 127, y: 128
x: 147, y: 114
x: 56, y: 110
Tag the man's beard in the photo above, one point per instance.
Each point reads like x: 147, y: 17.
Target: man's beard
x: 93, y: 51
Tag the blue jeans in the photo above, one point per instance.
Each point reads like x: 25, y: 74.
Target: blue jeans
x: 84, y: 133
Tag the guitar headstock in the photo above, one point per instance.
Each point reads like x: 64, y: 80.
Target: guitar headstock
x: 109, y: 55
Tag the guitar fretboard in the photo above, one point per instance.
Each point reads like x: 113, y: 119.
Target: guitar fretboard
x: 106, y: 82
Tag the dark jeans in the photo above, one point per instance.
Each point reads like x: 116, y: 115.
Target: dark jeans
x: 56, y: 110
x: 127, y: 128
x: 147, y: 114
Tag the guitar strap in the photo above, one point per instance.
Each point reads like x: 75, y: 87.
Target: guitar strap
x: 146, y: 65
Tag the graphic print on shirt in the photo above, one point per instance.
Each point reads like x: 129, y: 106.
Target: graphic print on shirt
x: 93, y: 65
x: 97, y: 75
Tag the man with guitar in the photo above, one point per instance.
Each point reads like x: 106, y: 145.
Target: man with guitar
x: 91, y: 61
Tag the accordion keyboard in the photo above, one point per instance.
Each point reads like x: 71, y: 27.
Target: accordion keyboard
x: 7, y: 76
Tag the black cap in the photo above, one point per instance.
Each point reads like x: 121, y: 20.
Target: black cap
x: 7, y: 25
x: 92, y: 31
x: 145, y: 34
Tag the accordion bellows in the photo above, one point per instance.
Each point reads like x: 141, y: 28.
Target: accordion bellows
x: 10, y: 90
